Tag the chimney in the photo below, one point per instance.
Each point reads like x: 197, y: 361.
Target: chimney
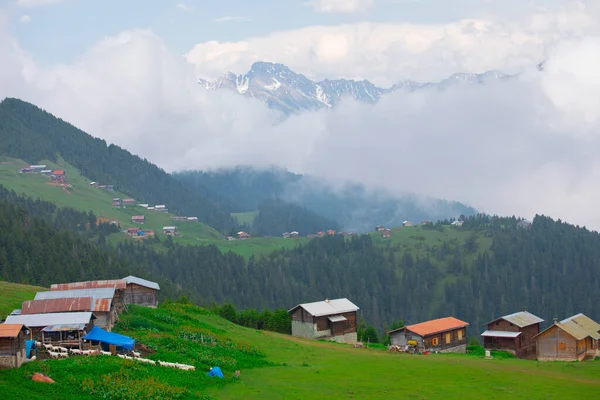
x: 555, y: 320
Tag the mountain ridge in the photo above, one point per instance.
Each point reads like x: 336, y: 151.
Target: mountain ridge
x: 283, y: 89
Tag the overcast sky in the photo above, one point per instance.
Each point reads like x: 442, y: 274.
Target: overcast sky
x: 126, y: 72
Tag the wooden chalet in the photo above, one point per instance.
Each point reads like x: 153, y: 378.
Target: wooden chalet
x: 138, y: 219
x: 572, y: 339
x: 294, y: 234
x: 387, y: 233
x: 513, y: 333
x: 58, y: 329
x: 444, y: 335
x: 133, y: 231
x: 105, y: 303
x: 128, y: 202
x: 170, y: 230
x: 286, y: 235
x: 379, y: 228
x: 407, y: 223
x: 141, y: 292
x: 12, y: 345
x: 329, y: 319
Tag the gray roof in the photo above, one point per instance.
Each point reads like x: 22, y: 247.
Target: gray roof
x: 520, y: 319
x: 142, y: 282
x: 102, y: 293
x: 505, y: 334
x: 581, y: 326
x: 35, y: 320
x: 328, y: 307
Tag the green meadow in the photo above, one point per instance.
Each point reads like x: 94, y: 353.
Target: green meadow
x: 12, y: 296
x: 275, y: 366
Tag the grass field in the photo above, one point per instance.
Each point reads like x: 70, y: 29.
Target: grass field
x: 275, y: 366
x: 12, y: 295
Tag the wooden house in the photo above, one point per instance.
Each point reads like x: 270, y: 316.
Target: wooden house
x: 457, y: 223
x: 243, y: 235
x: 102, y: 308
x: 138, y: 219
x: 329, y: 319
x: 407, y: 223
x: 513, y: 333
x: 192, y: 219
x: 444, y: 335
x: 170, y: 230
x: 572, y: 339
x: 132, y: 231
x: 294, y: 234
x: 59, y: 329
x: 118, y: 285
x: 116, y: 202
x: 127, y: 202
x: 103, y: 302
x: 12, y: 345
x: 141, y: 292
x: 387, y: 233
x: 331, y: 232
x: 285, y: 235
x: 379, y: 228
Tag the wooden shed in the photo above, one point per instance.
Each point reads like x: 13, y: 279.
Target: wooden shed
x: 329, y: 319
x: 572, y: 339
x: 12, y: 345
x: 59, y: 329
x: 141, y: 292
x: 444, y: 335
x: 513, y: 333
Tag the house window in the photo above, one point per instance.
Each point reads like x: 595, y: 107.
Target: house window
x: 435, y: 341
x: 448, y: 337
x: 460, y: 335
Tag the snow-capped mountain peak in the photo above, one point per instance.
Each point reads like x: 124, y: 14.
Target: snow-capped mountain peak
x: 285, y: 90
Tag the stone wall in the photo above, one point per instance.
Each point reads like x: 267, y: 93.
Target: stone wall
x: 457, y: 349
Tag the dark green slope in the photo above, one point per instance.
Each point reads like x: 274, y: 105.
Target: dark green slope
x: 31, y: 134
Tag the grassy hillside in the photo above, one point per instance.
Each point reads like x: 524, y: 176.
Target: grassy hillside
x: 12, y: 295
x: 275, y: 366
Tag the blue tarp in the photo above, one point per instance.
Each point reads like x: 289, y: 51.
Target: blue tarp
x: 29, y: 344
x: 215, y: 371
x: 100, y: 335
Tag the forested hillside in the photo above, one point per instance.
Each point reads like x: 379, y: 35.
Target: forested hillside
x: 41, y: 244
x: 485, y: 268
x: 31, y: 134
x: 353, y: 206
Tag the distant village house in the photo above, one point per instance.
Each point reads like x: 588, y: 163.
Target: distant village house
x: 444, y: 335
x: 138, y: 219
x: 513, y: 333
x: 387, y: 233
x: 407, y: 223
x: 127, y: 202
x: 294, y: 234
x: 170, y: 230
x: 329, y: 319
x: 379, y: 228
x: 243, y: 235
x: 192, y: 219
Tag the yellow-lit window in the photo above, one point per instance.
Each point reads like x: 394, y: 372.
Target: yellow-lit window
x: 448, y: 337
x: 434, y: 341
x: 460, y: 335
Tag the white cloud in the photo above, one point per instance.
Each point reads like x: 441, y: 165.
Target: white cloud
x: 231, y: 19
x: 520, y: 147
x: 388, y: 52
x: 184, y: 7
x: 340, y: 6
x: 36, y: 3
x: 25, y: 19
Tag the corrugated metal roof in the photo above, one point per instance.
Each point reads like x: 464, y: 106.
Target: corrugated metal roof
x: 436, y: 326
x: 64, y: 327
x: 16, y: 311
x: 520, y: 319
x: 505, y: 334
x: 337, y: 318
x: 105, y: 293
x: 113, y: 283
x: 141, y: 282
x: 580, y: 325
x: 56, y: 305
x: 67, y: 304
x: 328, y: 307
x: 35, y: 320
x: 10, y: 330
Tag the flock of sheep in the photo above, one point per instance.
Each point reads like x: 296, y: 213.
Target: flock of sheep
x: 63, y: 352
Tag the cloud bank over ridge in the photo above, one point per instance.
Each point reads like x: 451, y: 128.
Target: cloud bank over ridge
x: 520, y: 147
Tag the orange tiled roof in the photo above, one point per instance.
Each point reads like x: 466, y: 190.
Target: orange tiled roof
x: 436, y: 326
x: 10, y: 330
